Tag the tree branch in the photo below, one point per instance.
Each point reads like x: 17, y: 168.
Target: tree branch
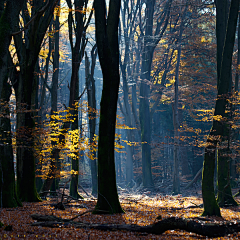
x: 40, y: 12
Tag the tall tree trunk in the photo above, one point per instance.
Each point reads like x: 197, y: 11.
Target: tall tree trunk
x: 144, y: 115
x: 176, y: 179
x: 9, y: 17
x: 77, y: 55
x: 150, y: 42
x: 27, y: 52
x: 91, y: 93
x: 42, y: 108
x: 236, y: 135
x: 224, y: 197
x: 219, y: 125
x: 75, y: 160
x: 26, y: 187
x: 129, y: 121
x: 54, y: 95
x: 8, y: 196
x: 108, y: 51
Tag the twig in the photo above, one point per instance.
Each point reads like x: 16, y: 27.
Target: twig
x: 83, y: 189
x: 81, y: 214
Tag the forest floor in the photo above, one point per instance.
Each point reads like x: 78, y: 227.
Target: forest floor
x: 140, y: 208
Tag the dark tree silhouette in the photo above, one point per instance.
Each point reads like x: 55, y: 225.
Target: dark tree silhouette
x: 108, y: 51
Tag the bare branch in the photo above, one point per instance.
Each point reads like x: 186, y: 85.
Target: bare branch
x: 40, y: 12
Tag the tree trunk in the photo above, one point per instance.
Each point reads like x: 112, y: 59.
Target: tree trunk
x: 212, y: 230
x: 28, y: 48
x: 108, y: 51
x: 144, y: 115
x: 26, y: 187
x: 150, y: 42
x: 129, y: 121
x: 176, y: 179
x: 224, y: 197
x: 54, y: 96
x: 219, y: 124
x: 8, y: 196
x: 77, y: 54
x: 75, y: 160
x: 9, y: 17
x: 91, y: 94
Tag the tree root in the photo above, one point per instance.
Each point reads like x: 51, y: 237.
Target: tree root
x: 172, y: 223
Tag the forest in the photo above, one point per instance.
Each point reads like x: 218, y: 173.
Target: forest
x: 119, y: 119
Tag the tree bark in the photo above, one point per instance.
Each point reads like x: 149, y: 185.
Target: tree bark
x: 27, y: 53
x: 77, y: 55
x: 158, y: 228
x: 219, y: 124
x: 150, y: 42
x: 224, y: 197
x: 8, y: 19
x: 78, y: 49
x: 8, y: 197
x: 108, y: 52
x: 91, y: 93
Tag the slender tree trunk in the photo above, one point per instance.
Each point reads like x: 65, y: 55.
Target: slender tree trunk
x: 129, y: 121
x: 149, y: 45
x: 77, y: 54
x: 176, y: 179
x: 54, y: 96
x: 235, y: 108
x: 144, y: 115
x: 42, y: 108
x: 238, y: 59
x: 75, y: 160
x: 91, y: 93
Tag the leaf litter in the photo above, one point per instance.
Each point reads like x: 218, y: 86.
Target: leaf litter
x: 141, y: 209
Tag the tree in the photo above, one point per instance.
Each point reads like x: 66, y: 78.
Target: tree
x: 27, y: 49
x: 176, y: 180
x: 77, y: 47
x: 108, y: 51
x: 150, y: 41
x: 77, y: 55
x: 217, y: 134
x: 8, y: 194
x: 224, y: 197
x: 91, y: 94
x: 9, y: 18
x: 127, y: 28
